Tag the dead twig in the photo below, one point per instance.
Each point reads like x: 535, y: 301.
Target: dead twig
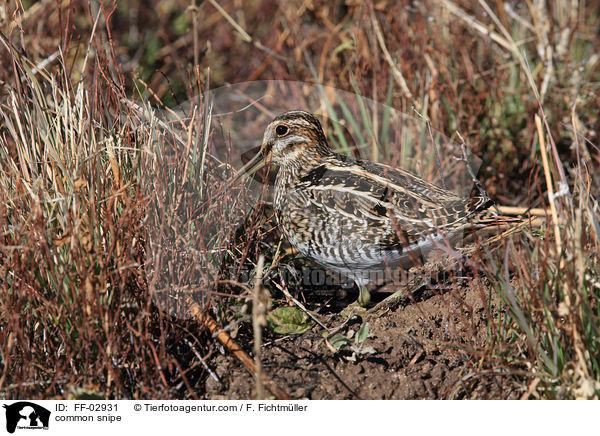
x: 259, y: 320
x: 207, y: 321
x: 398, y: 77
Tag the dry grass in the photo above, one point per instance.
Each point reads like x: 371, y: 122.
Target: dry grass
x: 105, y: 206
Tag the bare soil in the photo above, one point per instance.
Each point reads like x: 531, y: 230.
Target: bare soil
x: 432, y: 347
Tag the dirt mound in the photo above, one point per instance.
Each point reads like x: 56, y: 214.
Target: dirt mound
x: 423, y: 350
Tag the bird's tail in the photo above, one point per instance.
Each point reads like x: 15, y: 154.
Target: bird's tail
x: 491, y: 218
x: 486, y: 214
x: 503, y: 225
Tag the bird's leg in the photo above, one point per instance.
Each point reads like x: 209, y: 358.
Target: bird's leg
x: 420, y: 278
x: 359, y: 306
x: 364, y: 296
x: 394, y: 300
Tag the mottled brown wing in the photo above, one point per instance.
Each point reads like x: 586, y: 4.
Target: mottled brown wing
x: 383, y: 195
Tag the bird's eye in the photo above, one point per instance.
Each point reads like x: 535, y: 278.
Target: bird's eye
x: 281, y: 130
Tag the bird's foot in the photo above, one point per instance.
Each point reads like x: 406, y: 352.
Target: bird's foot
x: 364, y: 296
x: 397, y: 298
x: 359, y: 306
x: 354, y: 309
x: 388, y: 304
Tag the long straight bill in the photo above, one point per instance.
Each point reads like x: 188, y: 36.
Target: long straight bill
x: 251, y: 167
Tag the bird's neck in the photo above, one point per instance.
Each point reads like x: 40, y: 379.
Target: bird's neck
x: 289, y: 174
x: 291, y: 170
x: 301, y: 164
x: 286, y: 176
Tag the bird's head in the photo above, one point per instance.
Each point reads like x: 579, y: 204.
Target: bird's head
x: 294, y: 138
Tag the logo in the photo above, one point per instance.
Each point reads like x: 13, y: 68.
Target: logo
x: 26, y: 415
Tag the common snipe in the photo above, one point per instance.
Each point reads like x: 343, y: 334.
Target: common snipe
x: 353, y: 216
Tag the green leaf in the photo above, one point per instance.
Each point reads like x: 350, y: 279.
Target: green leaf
x: 347, y: 45
x: 288, y: 321
x: 363, y: 333
x: 368, y: 350
x: 338, y: 341
x: 79, y: 393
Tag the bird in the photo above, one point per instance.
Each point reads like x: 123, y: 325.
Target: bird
x: 358, y: 217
